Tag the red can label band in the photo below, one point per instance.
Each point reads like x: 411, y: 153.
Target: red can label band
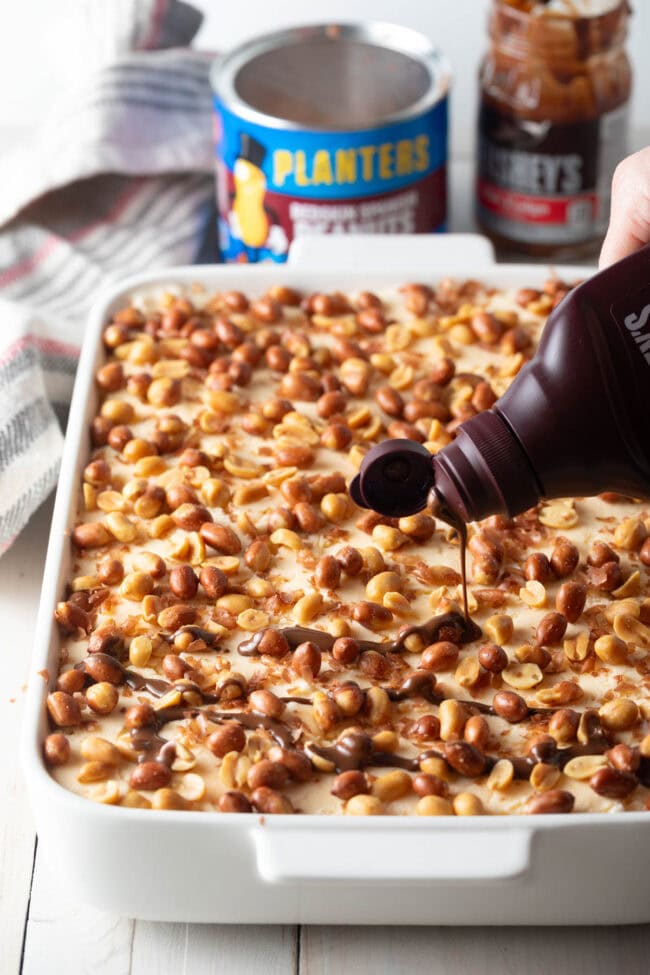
x: 539, y: 182
x: 276, y: 181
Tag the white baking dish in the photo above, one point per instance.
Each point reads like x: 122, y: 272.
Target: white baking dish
x: 183, y: 866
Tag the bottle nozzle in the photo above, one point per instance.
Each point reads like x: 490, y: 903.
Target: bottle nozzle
x: 395, y: 478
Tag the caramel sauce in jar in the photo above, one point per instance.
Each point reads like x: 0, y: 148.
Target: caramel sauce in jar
x: 554, y: 89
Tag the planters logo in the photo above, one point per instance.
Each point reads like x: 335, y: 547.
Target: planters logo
x: 275, y: 182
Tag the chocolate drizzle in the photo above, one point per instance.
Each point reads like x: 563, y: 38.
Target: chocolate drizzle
x: 421, y: 683
x: 158, y: 687
x: 446, y: 626
x: 254, y: 720
x: 150, y: 745
x: 354, y: 750
x: 154, y: 685
x: 199, y: 633
x: 248, y: 719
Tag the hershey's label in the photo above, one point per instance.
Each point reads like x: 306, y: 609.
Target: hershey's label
x: 539, y: 182
x: 532, y: 172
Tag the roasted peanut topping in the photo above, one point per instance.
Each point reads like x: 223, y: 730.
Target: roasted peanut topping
x: 237, y: 636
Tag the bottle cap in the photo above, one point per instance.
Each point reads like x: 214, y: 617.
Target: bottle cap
x: 395, y: 478
x: 483, y: 471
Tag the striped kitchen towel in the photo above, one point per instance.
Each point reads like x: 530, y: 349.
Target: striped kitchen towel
x: 118, y: 180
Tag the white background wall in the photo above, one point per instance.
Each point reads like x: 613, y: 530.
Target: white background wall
x: 36, y: 60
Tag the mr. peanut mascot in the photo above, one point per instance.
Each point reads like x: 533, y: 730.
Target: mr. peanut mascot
x: 254, y: 227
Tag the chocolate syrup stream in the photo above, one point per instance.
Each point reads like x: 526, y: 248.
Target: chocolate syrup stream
x: 441, y: 511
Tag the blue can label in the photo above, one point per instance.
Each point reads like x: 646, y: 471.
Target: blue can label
x: 273, y: 184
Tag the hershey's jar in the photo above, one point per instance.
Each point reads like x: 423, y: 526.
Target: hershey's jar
x: 555, y: 86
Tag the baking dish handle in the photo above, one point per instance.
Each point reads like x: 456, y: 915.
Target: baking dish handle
x: 288, y: 855
x: 399, y: 252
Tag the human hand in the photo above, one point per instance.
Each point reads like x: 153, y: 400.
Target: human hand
x: 629, y: 221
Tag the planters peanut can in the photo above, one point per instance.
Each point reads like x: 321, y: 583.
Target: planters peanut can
x: 329, y: 129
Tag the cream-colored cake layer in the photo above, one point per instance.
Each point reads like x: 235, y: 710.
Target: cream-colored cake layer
x: 242, y: 485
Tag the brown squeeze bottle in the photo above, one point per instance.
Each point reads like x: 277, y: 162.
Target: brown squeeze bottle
x: 575, y: 421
